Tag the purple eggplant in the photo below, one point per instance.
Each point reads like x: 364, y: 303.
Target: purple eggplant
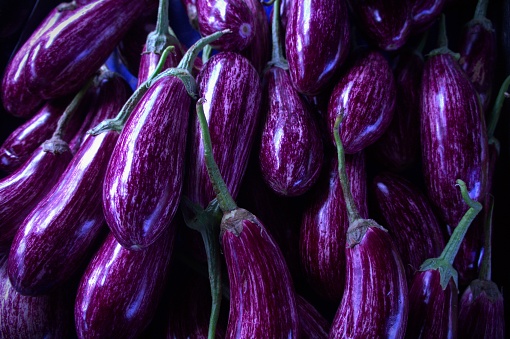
x: 388, y: 24
x: 119, y: 292
x: 374, y: 303
x: 259, y: 50
x: 191, y: 10
x: 324, y: 226
x: 399, y: 147
x: 454, y: 145
x: 34, y: 317
x: 425, y: 13
x: 312, y: 324
x: 232, y: 89
x: 236, y: 15
x: 63, y: 58
x: 410, y: 218
x: 317, y: 42
x: 478, y: 53
x: 56, y: 238
x: 365, y: 95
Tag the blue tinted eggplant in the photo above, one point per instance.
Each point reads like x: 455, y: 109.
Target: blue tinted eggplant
x: 119, y: 292
x: 324, y: 226
x: 218, y: 15
x: 425, y: 13
x: 57, y: 64
x: 410, y: 218
x: 58, y: 235
x: 312, y: 324
x: 317, y: 42
x: 232, y: 89
x: 365, y: 94
x: 386, y: 23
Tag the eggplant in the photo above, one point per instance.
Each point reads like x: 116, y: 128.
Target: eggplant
x: 454, y: 145
x: 259, y: 50
x: 324, y: 226
x: 478, y: 53
x: 60, y: 232
x: 312, y: 324
x: 34, y: 317
x: 232, y: 90
x: 191, y: 10
x: 119, y: 292
x: 56, y: 65
x: 410, y: 218
x: 374, y: 303
x: 321, y: 25
x: 425, y: 13
x: 388, y: 24
x: 235, y: 15
x: 365, y: 95
x: 399, y: 147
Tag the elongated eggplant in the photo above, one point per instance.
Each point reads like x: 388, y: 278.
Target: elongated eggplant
x: 365, y: 95
x: 374, y: 303
x: 119, y: 292
x: 316, y: 26
x: 58, y: 235
x: 424, y: 14
x: 454, y: 145
x: 34, y: 317
x: 232, y: 89
x: 478, y: 53
x: 57, y: 64
x: 312, y: 324
x: 259, y: 50
x: 236, y: 15
x: 386, y: 23
x: 411, y: 220
x: 324, y: 226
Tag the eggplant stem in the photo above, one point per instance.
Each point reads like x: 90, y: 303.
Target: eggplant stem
x: 481, y: 9
x: 225, y: 200
x: 352, y: 211
x: 496, y: 110
x: 160, y: 38
x: 277, y: 58
x: 485, y: 272
x: 206, y: 53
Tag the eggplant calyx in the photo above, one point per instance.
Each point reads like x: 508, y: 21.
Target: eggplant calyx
x: 446, y: 270
x: 358, y: 229
x: 185, y: 76
x: 198, y: 218
x: 233, y: 221
x: 442, y: 51
x: 67, y: 6
x: 479, y: 286
x: 56, y: 146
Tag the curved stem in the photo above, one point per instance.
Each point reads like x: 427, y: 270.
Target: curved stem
x: 496, y: 110
x: 352, y: 211
x: 189, y: 57
x: 206, y: 53
x: 277, y: 58
x: 225, y: 200
x: 485, y: 272
x: 481, y: 9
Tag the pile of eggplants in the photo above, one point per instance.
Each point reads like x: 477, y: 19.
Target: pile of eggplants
x: 253, y: 169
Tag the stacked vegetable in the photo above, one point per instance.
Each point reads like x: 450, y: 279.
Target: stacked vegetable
x: 337, y: 158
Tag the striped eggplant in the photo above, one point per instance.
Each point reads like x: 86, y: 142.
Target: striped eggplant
x: 46, y: 316
x: 410, y: 218
x: 324, y: 226
x: 191, y: 10
x: 425, y: 13
x: 119, y: 292
x: 259, y: 50
x: 454, y: 146
x: 365, y: 95
x: 374, y: 303
x: 236, y: 15
x: 317, y: 42
x: 388, y: 24
x: 58, y: 235
x: 57, y: 64
x: 232, y: 89
x: 399, y: 147
x: 312, y: 324
x: 478, y: 53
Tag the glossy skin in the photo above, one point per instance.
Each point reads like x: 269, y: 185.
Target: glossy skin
x: 291, y: 149
x: 24, y: 188
x: 143, y: 182
x: 374, y: 304
x: 432, y: 310
x: 424, y: 13
x: 232, y: 89
x: 324, y: 226
x: 149, y: 60
x: 119, y: 292
x: 236, y: 15
x: 478, y: 54
x: 259, y: 50
x: 319, y: 25
x: 64, y: 58
x: 481, y: 311
x: 410, y: 219
x: 312, y: 324
x: 399, y: 147
x: 366, y: 95
x: 386, y: 22
x: 454, y: 146
x: 262, y: 299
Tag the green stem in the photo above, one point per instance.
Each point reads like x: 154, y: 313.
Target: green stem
x: 160, y: 38
x: 481, y: 9
x: 352, y: 211
x: 206, y: 53
x: 442, y: 41
x: 189, y: 57
x: 485, y: 272
x: 277, y: 58
x: 496, y: 110
x: 422, y: 43
x: 225, y: 200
